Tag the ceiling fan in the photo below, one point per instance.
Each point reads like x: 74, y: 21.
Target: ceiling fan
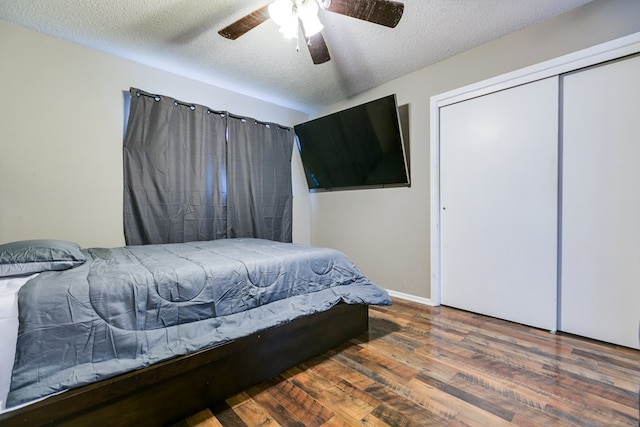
x: 291, y: 13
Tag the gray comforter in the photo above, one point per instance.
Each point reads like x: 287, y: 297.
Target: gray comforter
x: 129, y: 307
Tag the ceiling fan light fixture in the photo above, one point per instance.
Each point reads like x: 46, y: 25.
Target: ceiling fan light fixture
x: 290, y: 28
x: 285, y: 13
x: 308, y: 14
x: 282, y: 11
x: 312, y: 26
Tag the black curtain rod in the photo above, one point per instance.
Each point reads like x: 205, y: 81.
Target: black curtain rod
x: 149, y: 95
x: 258, y: 122
x: 184, y: 104
x: 217, y: 113
x: 210, y: 111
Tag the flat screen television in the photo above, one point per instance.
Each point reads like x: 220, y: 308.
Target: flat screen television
x: 360, y: 147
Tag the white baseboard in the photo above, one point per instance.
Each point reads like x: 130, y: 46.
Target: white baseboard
x: 412, y: 298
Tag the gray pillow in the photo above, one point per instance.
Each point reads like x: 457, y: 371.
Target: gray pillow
x: 35, y: 256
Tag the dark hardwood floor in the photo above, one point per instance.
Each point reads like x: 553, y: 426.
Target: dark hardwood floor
x: 420, y: 366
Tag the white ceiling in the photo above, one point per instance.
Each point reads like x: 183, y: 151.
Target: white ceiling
x: 181, y: 36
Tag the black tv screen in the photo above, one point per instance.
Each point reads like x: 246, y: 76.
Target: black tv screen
x: 355, y: 148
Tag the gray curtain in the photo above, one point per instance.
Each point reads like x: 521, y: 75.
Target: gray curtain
x: 259, y: 179
x: 177, y: 174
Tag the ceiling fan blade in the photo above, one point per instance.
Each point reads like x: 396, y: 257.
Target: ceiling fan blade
x: 246, y: 23
x: 318, y: 49
x: 383, y: 12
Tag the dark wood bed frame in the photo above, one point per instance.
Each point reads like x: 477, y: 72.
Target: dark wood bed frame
x: 170, y: 391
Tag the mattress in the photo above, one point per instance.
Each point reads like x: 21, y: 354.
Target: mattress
x: 9, y: 288
x: 127, y: 308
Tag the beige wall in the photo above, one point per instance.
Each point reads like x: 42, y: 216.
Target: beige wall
x: 61, y: 137
x: 386, y: 231
x: 61, y: 140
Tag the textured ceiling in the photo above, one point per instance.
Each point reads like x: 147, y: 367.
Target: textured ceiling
x: 181, y: 36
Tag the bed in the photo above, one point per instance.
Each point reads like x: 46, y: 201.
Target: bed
x: 106, y: 334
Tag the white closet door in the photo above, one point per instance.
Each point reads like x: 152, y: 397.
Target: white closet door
x: 498, y: 186
x: 600, y: 279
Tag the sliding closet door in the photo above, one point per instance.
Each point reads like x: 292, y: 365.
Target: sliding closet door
x: 600, y: 280
x: 498, y: 184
